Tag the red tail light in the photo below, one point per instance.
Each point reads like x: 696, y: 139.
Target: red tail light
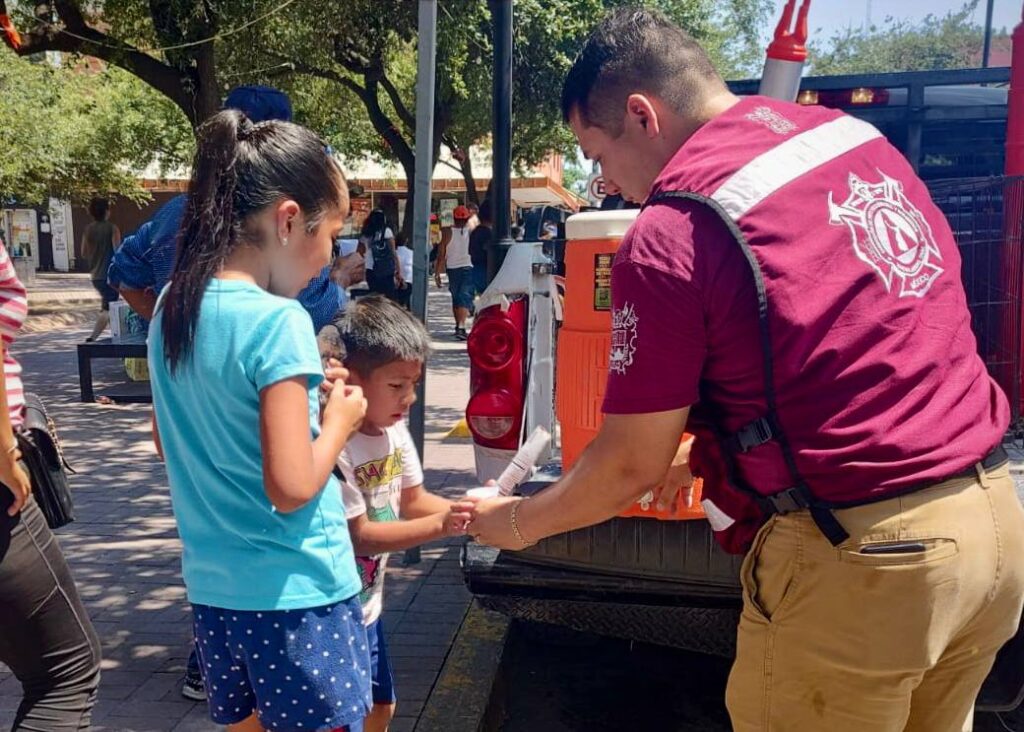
x: 497, y: 346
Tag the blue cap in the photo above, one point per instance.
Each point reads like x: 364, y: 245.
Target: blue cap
x: 260, y: 103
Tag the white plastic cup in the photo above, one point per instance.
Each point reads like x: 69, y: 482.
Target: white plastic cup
x: 486, y: 491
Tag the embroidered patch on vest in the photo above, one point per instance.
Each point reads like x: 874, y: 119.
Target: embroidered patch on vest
x: 772, y: 120
x: 624, y: 322
x: 889, y: 234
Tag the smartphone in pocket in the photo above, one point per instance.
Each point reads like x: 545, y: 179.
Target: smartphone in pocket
x: 896, y: 547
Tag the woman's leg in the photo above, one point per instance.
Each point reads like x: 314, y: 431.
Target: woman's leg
x: 45, y: 634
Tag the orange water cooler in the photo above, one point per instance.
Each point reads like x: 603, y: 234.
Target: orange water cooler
x: 584, y: 341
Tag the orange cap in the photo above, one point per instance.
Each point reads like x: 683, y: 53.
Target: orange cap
x: 461, y: 212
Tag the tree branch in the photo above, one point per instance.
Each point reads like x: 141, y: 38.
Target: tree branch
x: 404, y: 114
x: 381, y: 122
x: 47, y: 36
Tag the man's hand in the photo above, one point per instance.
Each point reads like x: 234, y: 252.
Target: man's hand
x: 678, y: 483
x: 16, y: 480
x: 492, y: 523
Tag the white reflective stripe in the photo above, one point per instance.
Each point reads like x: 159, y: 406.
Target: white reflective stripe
x: 783, y: 164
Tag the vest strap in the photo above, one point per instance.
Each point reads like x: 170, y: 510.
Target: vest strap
x: 767, y: 428
x: 800, y: 498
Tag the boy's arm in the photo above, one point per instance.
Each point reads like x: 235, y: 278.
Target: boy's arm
x: 418, y: 502
x: 377, y: 537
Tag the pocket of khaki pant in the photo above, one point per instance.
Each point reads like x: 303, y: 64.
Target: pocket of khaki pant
x: 935, y: 549
x: 769, y: 573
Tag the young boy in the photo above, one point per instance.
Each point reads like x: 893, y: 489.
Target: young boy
x: 387, y: 507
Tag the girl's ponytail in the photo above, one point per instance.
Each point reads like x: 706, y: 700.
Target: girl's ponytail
x: 206, y: 235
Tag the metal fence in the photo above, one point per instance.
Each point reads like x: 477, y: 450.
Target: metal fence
x: 987, y: 217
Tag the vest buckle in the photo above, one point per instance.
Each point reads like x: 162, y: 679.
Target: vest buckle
x: 752, y: 435
x: 791, y: 500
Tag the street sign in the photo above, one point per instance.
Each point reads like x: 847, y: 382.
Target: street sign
x: 595, y: 189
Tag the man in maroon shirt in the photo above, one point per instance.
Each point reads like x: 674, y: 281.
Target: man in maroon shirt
x: 791, y: 274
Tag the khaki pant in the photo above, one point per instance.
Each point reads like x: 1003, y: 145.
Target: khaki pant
x: 832, y: 640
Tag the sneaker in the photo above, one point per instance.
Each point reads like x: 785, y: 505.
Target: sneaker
x: 461, y: 334
x: 192, y: 687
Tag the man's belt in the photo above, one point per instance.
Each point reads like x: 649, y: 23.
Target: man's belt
x: 799, y: 498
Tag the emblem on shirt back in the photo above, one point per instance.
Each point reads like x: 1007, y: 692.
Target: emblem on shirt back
x: 624, y: 322
x: 772, y: 120
x: 889, y: 234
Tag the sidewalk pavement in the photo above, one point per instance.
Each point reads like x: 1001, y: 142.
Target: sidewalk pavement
x: 56, y: 288
x: 125, y: 554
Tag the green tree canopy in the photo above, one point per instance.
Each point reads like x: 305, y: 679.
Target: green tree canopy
x: 937, y: 42
x: 73, y: 134
x: 350, y: 66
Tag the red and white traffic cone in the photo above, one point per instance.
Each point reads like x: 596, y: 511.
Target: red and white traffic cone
x: 787, y: 53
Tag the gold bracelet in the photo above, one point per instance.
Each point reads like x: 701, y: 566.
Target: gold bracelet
x: 515, y: 524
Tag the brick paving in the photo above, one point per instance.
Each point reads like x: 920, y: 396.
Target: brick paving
x: 124, y: 549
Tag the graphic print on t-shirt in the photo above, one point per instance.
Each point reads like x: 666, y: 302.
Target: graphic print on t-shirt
x: 889, y: 234
x: 373, y: 478
x: 624, y: 322
x: 375, y: 473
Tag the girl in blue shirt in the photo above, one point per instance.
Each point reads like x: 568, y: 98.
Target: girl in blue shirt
x: 235, y: 370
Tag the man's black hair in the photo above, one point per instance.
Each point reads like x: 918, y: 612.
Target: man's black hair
x: 636, y: 51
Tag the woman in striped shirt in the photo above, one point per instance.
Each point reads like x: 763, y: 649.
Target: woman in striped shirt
x: 46, y: 638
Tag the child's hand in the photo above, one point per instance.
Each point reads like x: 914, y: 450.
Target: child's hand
x: 334, y: 371
x: 346, y: 404
x: 457, y: 519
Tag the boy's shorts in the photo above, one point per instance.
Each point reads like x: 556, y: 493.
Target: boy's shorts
x: 298, y: 669
x: 460, y: 284
x: 380, y: 663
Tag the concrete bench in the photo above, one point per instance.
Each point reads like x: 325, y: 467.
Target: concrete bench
x: 130, y: 347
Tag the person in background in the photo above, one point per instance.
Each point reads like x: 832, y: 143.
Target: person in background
x: 405, y: 256
x: 377, y: 245
x: 454, y: 259
x: 46, y: 638
x: 143, y: 264
x: 474, y: 216
x: 100, y: 239
x: 436, y: 236
x: 479, y: 242
x: 267, y: 559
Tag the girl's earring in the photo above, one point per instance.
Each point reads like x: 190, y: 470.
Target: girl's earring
x: 284, y: 241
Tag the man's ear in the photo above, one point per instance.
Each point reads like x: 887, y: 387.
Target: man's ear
x: 642, y: 112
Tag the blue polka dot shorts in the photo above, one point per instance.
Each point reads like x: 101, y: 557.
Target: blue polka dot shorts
x: 299, y: 670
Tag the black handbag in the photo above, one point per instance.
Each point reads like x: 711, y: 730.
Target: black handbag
x: 44, y: 459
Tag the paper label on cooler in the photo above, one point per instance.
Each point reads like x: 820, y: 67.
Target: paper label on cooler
x: 603, y: 281
x: 719, y: 519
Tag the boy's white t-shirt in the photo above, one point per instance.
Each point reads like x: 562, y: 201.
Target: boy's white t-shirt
x: 377, y: 469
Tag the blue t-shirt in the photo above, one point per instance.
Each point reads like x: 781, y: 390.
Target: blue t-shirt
x: 239, y: 552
